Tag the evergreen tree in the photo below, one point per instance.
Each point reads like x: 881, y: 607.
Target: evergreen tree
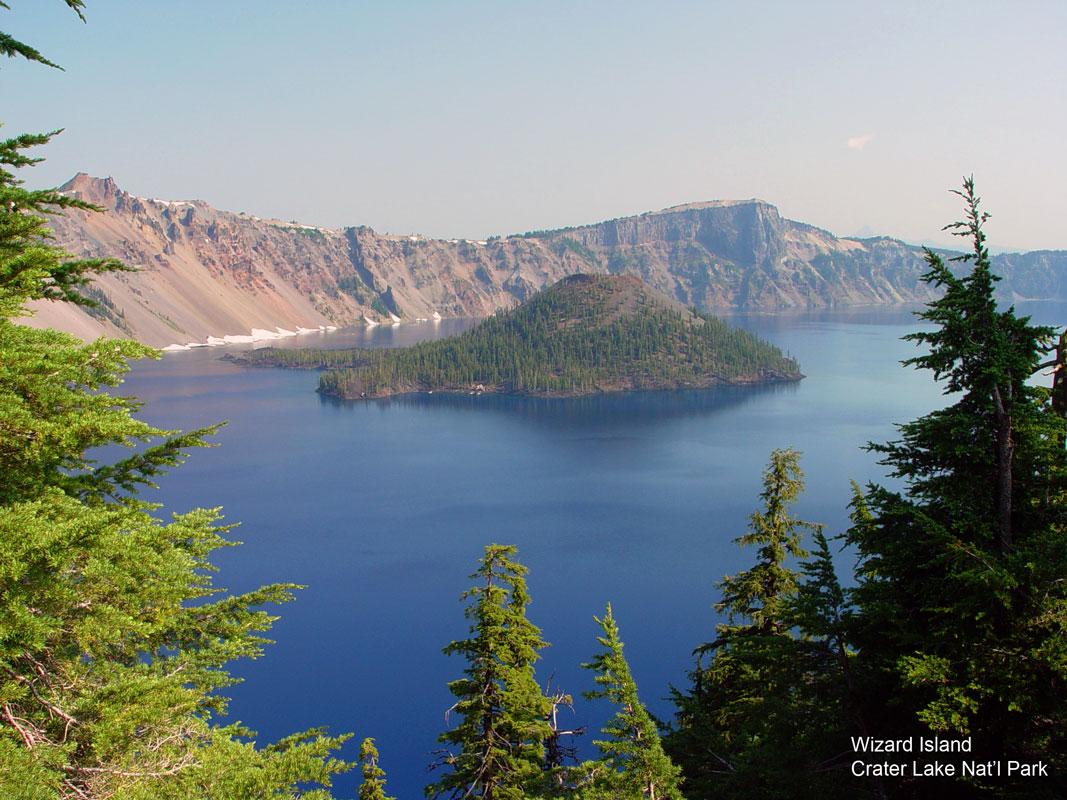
x: 734, y: 728
x: 757, y: 597
x: 11, y: 47
x: 632, y: 763
x: 503, y: 714
x: 826, y: 703
x: 961, y: 597
x: 113, y: 642
x: 373, y: 786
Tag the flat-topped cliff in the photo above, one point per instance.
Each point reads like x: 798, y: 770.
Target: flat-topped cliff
x: 205, y: 272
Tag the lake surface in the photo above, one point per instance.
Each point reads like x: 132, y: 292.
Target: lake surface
x: 383, y: 508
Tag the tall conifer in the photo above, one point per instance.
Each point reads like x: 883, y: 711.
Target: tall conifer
x: 632, y: 764
x: 733, y: 729
x: 756, y: 598
x: 503, y: 726
x: 961, y: 596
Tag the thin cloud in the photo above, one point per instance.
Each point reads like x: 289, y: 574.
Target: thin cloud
x: 858, y: 142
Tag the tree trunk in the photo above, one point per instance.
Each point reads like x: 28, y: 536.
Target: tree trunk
x: 1005, y: 450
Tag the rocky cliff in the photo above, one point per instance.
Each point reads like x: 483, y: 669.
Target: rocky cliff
x: 205, y: 272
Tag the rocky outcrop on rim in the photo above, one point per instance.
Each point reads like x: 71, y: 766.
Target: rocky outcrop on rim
x: 204, y: 272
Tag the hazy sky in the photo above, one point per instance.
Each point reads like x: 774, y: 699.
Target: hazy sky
x: 467, y: 119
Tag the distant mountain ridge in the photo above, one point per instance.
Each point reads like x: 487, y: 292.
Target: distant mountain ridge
x: 206, y: 272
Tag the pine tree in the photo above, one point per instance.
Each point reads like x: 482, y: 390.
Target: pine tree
x: 757, y: 597
x: 827, y: 709
x: 733, y: 728
x: 373, y: 786
x: 632, y: 763
x: 972, y: 454
x: 113, y: 641
x: 961, y: 597
x: 503, y: 714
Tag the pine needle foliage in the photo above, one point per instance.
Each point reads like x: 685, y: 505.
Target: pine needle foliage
x: 498, y: 748
x: 961, y: 597
x: 373, y: 786
x: 757, y: 597
x: 734, y: 729
x: 114, y: 644
x: 11, y: 47
x: 632, y: 762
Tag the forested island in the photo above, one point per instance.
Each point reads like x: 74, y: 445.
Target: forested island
x: 584, y: 335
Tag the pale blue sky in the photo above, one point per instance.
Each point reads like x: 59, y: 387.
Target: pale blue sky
x: 469, y: 119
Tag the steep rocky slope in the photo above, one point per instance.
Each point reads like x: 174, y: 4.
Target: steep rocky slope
x: 205, y: 272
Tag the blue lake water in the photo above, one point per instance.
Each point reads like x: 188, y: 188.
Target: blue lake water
x: 382, y: 509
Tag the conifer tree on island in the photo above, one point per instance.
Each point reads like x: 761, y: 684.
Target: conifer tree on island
x: 109, y: 674
x: 500, y: 739
x: 632, y: 764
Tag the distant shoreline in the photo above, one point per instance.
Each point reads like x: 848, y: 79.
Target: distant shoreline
x: 631, y: 385
x: 255, y: 335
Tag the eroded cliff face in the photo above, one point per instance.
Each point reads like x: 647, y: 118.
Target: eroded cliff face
x: 204, y: 272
